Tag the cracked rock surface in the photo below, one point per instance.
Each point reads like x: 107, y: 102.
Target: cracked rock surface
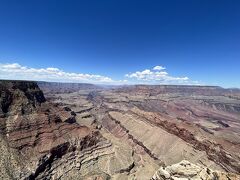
x: 185, y: 170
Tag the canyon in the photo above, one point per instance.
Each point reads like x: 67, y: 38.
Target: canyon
x: 85, y: 131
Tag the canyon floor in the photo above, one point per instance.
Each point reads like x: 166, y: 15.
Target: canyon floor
x: 84, y: 131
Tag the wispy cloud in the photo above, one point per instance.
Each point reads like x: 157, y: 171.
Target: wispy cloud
x: 159, y: 68
x: 16, y: 71
x: 158, y: 75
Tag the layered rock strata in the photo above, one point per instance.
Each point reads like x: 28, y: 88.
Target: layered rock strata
x: 41, y: 140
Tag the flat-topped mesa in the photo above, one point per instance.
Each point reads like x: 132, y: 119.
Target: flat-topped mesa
x: 57, y: 87
x: 183, y: 89
x: 19, y: 97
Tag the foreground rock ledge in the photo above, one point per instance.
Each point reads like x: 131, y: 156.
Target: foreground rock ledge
x: 186, y: 170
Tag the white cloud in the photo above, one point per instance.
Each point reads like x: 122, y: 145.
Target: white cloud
x: 158, y: 76
x: 16, y: 71
x: 159, y: 68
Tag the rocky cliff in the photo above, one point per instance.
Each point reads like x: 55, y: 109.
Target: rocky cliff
x: 19, y: 97
x: 42, y: 140
x: 37, y: 132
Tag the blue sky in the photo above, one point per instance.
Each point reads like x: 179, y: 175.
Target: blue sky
x: 120, y: 42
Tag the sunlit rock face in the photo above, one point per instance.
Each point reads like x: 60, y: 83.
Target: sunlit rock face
x: 187, y: 170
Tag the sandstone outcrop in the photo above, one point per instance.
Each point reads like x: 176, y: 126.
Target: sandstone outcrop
x: 186, y: 170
